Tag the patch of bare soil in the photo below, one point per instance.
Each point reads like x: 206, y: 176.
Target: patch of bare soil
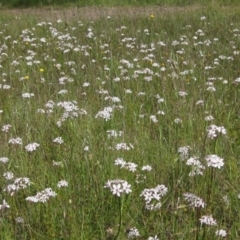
x: 94, y: 13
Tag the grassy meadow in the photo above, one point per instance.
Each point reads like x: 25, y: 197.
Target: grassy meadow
x: 121, y: 127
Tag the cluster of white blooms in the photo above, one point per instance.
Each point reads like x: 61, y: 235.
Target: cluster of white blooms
x: 184, y: 152
x: 118, y: 187
x: 208, y: 220
x: 113, y: 99
x: 221, y: 233
x: 19, y: 183
x: 15, y: 141
x: 71, y: 110
x: 113, y: 133
x: 182, y: 94
x: 42, y: 196
x: 152, y: 197
x: 27, y: 95
x: 133, y: 232
x: 106, y: 113
x: 4, y: 205
x: 124, y: 146
x: 209, y: 118
x: 6, y: 127
x: 213, y: 131
x: 194, y: 201
x: 4, y: 159
x: 197, y: 167
x: 132, y: 167
x: 147, y: 168
x: 177, y: 120
x: 153, y: 238
x: 62, y: 183
x: 58, y: 140
x: 32, y: 147
x: 153, y: 118
x: 214, y: 161
x: 8, y: 175
x: 19, y: 220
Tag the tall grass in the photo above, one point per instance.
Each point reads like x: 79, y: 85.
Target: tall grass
x: 146, y: 91
x: 83, y: 3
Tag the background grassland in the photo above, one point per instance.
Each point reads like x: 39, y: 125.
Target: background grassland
x: 86, y: 210
x: 81, y: 3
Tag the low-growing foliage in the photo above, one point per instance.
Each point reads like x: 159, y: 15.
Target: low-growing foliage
x: 120, y: 128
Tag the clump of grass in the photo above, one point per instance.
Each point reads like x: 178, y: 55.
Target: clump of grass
x: 120, y: 128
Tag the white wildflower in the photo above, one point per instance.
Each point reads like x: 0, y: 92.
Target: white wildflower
x: 133, y: 232
x: 214, y: 161
x: 118, y: 187
x: 62, y: 183
x: 208, y: 220
x: 193, y: 200
x: 221, y: 233
x: 42, y: 196
x: 4, y: 159
x: 4, y: 205
x: 32, y: 147
x: 58, y: 140
x: 15, y: 141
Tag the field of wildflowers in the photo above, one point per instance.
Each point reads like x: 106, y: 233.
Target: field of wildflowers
x: 121, y: 127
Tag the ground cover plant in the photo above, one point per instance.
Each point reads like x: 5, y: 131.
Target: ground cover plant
x: 111, y: 3
x: 120, y: 128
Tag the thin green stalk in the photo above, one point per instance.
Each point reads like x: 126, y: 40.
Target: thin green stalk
x: 120, y: 218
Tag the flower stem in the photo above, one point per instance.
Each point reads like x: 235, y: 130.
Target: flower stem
x: 120, y: 218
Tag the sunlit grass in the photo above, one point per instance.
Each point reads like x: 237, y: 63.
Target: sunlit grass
x: 151, y: 101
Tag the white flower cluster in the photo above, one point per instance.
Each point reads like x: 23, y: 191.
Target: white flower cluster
x: 151, y: 195
x: 153, y: 238
x: 32, y: 147
x: 15, y: 141
x: 4, y: 205
x: 71, y: 110
x: 208, y: 220
x: 113, y: 133
x: 133, y: 232
x: 106, y: 113
x: 124, y: 146
x: 197, y: 167
x: 213, y: 131
x: 62, y: 183
x: 214, y: 161
x: 193, y: 200
x: 132, y: 167
x: 184, y: 152
x: 4, y: 159
x: 118, y: 187
x: 221, y: 233
x: 42, y: 196
x: 58, y: 140
x: 5, y: 128
x: 19, y: 183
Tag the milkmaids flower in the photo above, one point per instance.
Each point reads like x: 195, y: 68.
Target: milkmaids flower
x: 193, y: 200
x: 208, y: 220
x: 221, y: 233
x: 118, y: 187
x: 4, y: 205
x: 214, y: 161
x: 58, y: 140
x: 133, y: 232
x: 32, y: 147
x: 42, y: 196
x: 213, y: 131
x: 62, y: 183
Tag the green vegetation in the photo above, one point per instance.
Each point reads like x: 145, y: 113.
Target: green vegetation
x: 82, y: 3
x: 150, y: 100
